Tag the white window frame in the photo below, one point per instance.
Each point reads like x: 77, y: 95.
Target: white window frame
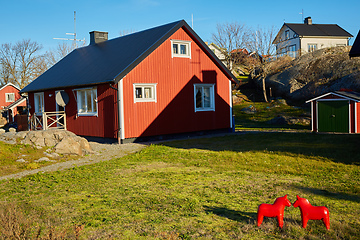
x: 143, y: 97
x: 94, y: 102
x: 7, y: 97
x: 180, y: 43
x: 212, y: 97
x: 39, y: 106
x: 312, y: 47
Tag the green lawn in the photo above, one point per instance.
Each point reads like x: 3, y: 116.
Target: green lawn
x: 206, y: 188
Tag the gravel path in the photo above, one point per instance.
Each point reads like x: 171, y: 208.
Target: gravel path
x: 103, y: 152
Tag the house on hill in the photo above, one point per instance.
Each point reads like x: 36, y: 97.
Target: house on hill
x: 157, y: 82
x: 295, y: 39
x: 10, y: 101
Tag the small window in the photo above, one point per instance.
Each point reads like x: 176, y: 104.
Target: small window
x: 287, y: 34
x: 312, y: 47
x: 10, y: 97
x: 39, y: 103
x: 87, y: 101
x: 145, y: 92
x: 204, y: 97
x: 181, y: 48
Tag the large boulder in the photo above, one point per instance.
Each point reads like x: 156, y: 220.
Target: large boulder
x: 62, y: 141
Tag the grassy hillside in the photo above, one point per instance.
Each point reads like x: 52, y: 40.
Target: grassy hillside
x: 194, y: 189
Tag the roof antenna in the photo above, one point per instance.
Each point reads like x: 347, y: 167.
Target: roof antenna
x: 73, y: 34
x: 302, y: 14
x: 192, y: 21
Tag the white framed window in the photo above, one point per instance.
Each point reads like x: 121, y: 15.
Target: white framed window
x: 87, y: 101
x: 204, y: 97
x: 39, y: 103
x: 312, y: 47
x: 10, y: 97
x: 144, y: 92
x: 180, y: 48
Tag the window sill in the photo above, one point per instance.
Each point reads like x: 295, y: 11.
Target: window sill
x: 205, y: 110
x: 87, y: 114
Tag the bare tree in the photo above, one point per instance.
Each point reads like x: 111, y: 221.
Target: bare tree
x: 21, y: 62
x: 260, y: 43
x: 55, y: 55
x: 230, y: 37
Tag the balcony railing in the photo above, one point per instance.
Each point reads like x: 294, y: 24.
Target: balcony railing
x: 47, y: 120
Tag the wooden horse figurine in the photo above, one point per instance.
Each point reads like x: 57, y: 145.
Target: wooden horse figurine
x: 309, y: 212
x: 273, y: 210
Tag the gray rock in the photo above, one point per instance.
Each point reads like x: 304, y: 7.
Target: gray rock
x: 21, y: 160
x: 44, y: 159
x: 68, y: 146
x: 12, y: 129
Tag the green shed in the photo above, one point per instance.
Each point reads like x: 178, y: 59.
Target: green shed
x: 336, y: 112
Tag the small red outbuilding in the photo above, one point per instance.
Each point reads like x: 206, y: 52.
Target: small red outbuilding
x: 156, y: 82
x: 337, y: 111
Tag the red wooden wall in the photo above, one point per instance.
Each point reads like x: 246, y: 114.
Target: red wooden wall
x: 103, y: 125
x: 175, y: 77
x: 8, y: 89
x: 173, y: 112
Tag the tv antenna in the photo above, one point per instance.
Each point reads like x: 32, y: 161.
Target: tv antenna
x: 302, y: 14
x: 73, y: 34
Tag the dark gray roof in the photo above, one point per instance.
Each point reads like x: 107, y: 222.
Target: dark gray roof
x: 355, y: 49
x: 110, y: 61
x: 352, y: 95
x: 320, y: 30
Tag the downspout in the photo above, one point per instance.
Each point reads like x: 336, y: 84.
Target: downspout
x: 118, y: 100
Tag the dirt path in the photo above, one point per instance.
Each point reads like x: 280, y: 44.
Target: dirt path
x: 103, y: 152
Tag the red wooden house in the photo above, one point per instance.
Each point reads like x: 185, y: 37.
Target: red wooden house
x: 337, y: 111
x: 156, y: 82
x: 10, y: 100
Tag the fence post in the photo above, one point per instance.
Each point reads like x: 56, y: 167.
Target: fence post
x: 44, y: 118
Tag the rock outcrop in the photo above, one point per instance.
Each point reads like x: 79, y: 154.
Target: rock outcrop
x: 310, y: 75
x: 62, y: 141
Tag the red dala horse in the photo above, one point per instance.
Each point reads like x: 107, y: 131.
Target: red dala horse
x: 273, y: 210
x: 309, y: 212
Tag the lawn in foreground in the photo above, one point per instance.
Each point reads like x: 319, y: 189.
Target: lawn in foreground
x: 202, y: 189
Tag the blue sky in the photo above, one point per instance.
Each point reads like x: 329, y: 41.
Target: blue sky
x: 43, y: 20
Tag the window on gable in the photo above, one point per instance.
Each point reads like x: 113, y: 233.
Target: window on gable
x: 145, y: 92
x: 87, y: 101
x: 10, y: 97
x: 204, y: 97
x: 181, y: 48
x: 287, y: 34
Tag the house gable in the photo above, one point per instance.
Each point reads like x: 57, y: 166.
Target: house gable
x: 175, y: 79
x: 9, y: 93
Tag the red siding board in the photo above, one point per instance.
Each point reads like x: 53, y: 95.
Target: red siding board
x: 103, y: 125
x: 8, y: 89
x: 175, y: 77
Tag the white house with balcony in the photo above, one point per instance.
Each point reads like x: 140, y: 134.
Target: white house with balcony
x: 295, y: 39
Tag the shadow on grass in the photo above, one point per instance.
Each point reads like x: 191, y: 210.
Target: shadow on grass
x: 325, y: 193
x: 342, y: 148
x: 232, y: 214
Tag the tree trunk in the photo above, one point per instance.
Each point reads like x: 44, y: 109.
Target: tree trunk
x: 264, y: 89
